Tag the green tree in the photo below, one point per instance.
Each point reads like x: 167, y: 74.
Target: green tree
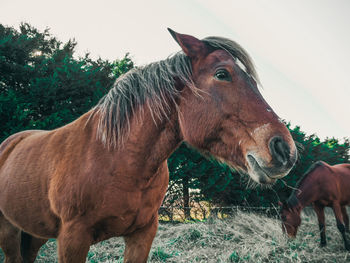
x: 193, y: 175
x: 43, y: 85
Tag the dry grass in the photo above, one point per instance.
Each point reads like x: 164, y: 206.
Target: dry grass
x: 245, y: 237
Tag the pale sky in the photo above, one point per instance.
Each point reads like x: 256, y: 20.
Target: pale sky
x: 301, y: 48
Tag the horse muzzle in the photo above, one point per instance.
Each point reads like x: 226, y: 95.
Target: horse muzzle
x: 282, y: 161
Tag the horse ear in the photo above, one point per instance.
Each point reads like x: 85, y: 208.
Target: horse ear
x: 190, y: 45
x: 280, y: 203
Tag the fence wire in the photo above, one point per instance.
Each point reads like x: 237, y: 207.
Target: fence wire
x: 181, y: 213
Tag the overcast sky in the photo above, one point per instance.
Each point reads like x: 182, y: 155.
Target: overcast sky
x: 301, y: 48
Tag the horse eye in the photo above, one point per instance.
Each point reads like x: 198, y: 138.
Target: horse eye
x: 223, y: 75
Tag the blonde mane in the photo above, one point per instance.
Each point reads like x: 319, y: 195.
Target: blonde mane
x: 153, y: 86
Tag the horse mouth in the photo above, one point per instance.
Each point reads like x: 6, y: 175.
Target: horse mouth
x: 259, y: 174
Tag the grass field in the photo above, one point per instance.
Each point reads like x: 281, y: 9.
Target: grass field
x: 246, y: 237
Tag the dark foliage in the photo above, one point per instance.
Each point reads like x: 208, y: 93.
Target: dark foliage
x: 42, y: 84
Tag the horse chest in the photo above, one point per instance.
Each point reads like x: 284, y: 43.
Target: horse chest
x: 134, y: 211
x: 127, y: 211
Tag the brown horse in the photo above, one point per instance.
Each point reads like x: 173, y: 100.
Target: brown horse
x: 322, y: 185
x: 106, y: 174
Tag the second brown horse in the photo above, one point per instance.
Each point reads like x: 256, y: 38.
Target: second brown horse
x: 322, y: 185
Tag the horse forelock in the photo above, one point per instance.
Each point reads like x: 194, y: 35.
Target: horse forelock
x: 236, y: 51
x: 153, y: 86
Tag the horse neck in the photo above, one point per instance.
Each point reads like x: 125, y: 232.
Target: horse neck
x: 146, y: 147
x: 307, y: 192
x: 153, y: 139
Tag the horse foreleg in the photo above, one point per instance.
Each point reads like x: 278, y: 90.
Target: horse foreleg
x: 340, y: 223
x: 74, y: 241
x: 319, y: 209
x: 138, y: 243
x: 10, y: 241
x: 30, y: 246
x: 346, y: 218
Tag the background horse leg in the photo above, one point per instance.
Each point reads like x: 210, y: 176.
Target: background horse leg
x: 138, y: 244
x: 30, y: 246
x: 340, y: 223
x: 73, y: 243
x: 10, y: 241
x: 346, y: 218
x: 319, y: 209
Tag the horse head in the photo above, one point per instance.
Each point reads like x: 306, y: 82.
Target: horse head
x: 291, y: 219
x: 227, y: 115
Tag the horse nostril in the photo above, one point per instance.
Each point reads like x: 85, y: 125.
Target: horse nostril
x: 279, y: 150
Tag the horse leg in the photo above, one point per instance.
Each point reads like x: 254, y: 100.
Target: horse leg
x: 340, y: 224
x: 10, y: 241
x: 319, y: 209
x: 30, y: 246
x: 74, y: 241
x: 138, y: 244
x: 346, y: 218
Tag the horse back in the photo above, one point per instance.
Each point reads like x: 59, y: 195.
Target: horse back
x: 7, y: 146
